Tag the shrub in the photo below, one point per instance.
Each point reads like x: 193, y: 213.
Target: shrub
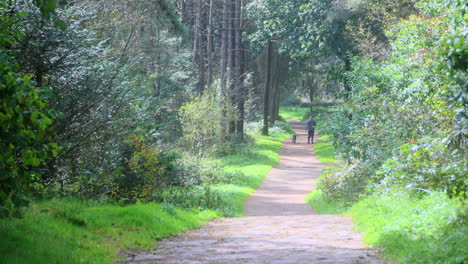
x: 429, y: 165
x: 348, y: 182
x: 25, y: 123
x: 204, y: 125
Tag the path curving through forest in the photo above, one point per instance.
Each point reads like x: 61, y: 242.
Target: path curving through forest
x: 278, y: 227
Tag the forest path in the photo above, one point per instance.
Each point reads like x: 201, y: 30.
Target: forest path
x: 278, y: 227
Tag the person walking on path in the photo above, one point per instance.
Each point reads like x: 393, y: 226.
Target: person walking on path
x: 311, y: 124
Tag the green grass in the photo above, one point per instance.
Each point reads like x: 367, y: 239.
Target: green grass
x: 251, y: 167
x: 72, y: 231
x: 294, y: 112
x: 429, y: 229
x: 324, y: 150
x: 323, y: 206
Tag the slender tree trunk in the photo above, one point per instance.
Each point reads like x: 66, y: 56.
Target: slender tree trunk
x: 201, y: 57
x: 182, y: 11
x: 209, y: 40
x: 266, y: 90
x: 231, y: 61
x: 273, y: 84
x: 224, y: 52
x: 238, y: 68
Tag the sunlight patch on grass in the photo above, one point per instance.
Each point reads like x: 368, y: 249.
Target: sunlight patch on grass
x: 321, y: 205
x: 294, y: 112
x: 72, y: 231
x: 412, y: 229
x: 324, y: 150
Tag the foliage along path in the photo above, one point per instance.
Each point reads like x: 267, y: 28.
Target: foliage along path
x: 278, y: 227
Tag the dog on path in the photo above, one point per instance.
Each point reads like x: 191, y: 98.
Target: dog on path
x: 294, y: 137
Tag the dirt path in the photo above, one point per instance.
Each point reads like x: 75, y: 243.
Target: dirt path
x: 278, y: 227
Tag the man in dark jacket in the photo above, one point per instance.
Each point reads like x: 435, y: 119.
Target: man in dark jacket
x: 311, y: 124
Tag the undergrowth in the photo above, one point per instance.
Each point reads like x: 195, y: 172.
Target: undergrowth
x: 76, y: 231
x: 239, y: 175
x: 324, y: 150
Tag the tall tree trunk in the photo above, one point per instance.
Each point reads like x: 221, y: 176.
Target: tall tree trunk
x: 209, y: 40
x: 201, y: 57
x: 273, y: 84
x: 238, y: 70
x: 224, y: 51
x: 231, y: 61
x: 266, y: 90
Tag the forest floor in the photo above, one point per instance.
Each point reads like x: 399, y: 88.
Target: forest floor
x: 278, y: 226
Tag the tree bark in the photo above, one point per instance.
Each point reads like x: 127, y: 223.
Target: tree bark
x: 266, y: 90
x: 209, y: 40
x: 231, y: 61
x: 224, y: 52
x: 200, y: 46
x: 238, y: 68
x: 273, y: 85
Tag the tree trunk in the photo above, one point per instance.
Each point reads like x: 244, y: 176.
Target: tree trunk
x: 273, y: 84
x: 201, y: 57
x: 209, y: 40
x: 224, y: 52
x: 238, y: 68
x: 231, y: 61
x: 223, y: 65
x: 266, y: 90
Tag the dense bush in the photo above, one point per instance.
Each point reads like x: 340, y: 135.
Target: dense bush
x: 24, y: 135
x: 204, y: 124
x: 397, y: 126
x: 25, y: 118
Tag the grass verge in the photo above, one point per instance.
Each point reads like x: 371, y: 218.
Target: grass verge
x: 295, y: 112
x: 74, y: 231
x: 250, y: 167
x: 324, y: 150
x: 411, y: 229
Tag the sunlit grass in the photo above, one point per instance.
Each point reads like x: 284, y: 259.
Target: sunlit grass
x: 72, y: 231
x: 252, y: 166
x: 324, y: 150
x: 412, y: 229
x: 294, y: 112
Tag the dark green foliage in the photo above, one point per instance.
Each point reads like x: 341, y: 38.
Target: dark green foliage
x: 25, y: 119
x: 24, y: 125
x: 397, y: 126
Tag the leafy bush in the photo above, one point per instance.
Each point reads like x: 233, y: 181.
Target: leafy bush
x: 399, y: 113
x: 25, y: 144
x: 347, y: 182
x: 429, y: 165
x: 204, y: 125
